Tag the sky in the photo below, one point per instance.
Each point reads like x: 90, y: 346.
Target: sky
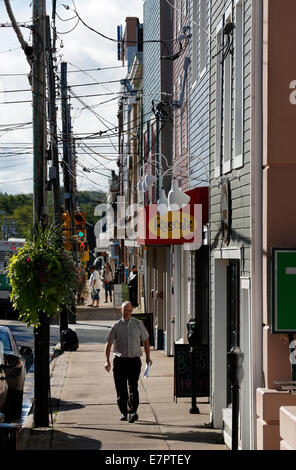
x: 82, y: 49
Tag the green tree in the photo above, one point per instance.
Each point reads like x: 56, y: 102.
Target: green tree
x: 23, y: 216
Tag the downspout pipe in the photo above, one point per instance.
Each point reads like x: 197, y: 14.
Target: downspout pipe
x: 256, y: 333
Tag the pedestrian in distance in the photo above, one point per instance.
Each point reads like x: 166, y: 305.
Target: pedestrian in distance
x: 94, y: 287
x: 133, y: 286
x: 98, y: 263
x: 126, y: 335
x: 126, y: 273
x: 107, y: 279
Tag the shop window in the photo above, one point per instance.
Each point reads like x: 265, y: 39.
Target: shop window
x: 238, y: 88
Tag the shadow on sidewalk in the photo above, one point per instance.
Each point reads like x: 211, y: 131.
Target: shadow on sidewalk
x: 206, y: 437
x: 57, y: 440
x: 59, y: 405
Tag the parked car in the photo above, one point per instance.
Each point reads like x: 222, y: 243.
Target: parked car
x: 14, y: 368
x: 3, y: 384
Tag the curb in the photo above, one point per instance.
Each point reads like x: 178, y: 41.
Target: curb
x: 25, y: 432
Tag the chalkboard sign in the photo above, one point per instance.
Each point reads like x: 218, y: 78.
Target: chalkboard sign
x: 183, y: 371
x: 147, y: 319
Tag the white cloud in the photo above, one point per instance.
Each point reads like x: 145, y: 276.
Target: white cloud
x: 82, y: 48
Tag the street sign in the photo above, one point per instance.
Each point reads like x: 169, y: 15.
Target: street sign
x: 183, y: 371
x: 284, y: 290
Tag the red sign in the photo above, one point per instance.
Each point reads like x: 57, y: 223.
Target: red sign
x: 177, y: 227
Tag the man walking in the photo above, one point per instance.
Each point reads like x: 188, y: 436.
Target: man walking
x: 126, y: 334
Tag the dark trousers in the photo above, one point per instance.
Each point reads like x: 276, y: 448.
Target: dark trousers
x: 126, y: 372
x: 108, y: 288
x: 133, y: 296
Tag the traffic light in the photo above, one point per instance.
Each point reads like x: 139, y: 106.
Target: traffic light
x: 82, y: 246
x: 83, y: 250
x: 67, y: 226
x: 79, y: 220
x: 67, y: 231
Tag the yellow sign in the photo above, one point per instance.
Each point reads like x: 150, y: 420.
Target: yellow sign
x: 173, y: 225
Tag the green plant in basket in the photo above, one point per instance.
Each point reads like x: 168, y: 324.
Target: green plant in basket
x: 42, y: 276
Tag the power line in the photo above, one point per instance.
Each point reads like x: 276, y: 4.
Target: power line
x: 16, y: 181
x: 98, y: 69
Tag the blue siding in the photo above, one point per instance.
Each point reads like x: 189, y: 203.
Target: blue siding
x: 151, y: 57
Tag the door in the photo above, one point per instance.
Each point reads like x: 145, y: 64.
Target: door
x: 233, y: 311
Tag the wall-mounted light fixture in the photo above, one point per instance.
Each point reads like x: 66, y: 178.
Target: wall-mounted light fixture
x: 176, y: 198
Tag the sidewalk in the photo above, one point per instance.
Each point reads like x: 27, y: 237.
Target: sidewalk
x: 86, y: 416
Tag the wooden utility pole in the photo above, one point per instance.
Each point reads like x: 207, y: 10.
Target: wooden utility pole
x: 40, y: 211
x: 54, y: 155
x: 66, y: 138
x: 69, y: 179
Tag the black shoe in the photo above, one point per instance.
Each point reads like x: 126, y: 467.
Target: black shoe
x: 133, y: 417
x: 123, y: 418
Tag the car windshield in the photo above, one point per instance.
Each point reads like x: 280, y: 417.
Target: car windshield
x: 5, y: 340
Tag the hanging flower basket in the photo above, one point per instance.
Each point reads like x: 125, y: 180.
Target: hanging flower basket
x: 43, y: 277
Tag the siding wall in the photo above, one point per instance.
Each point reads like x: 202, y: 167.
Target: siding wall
x: 240, y: 191
x: 239, y: 178
x: 157, y: 74
x: 199, y: 113
x: 180, y: 149
x: 151, y: 54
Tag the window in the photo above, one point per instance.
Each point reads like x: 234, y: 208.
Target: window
x: 218, y: 100
x: 185, y: 8
x: 223, y: 103
x: 179, y: 16
x: 238, y: 90
x: 203, y: 7
x: 175, y: 126
x: 194, y: 42
x: 227, y: 121
x: 179, y: 120
x: 154, y: 158
x: 186, y: 111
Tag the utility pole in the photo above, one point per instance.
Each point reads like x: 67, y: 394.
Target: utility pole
x: 68, y: 157
x: 40, y: 211
x: 68, y: 172
x: 66, y: 138
x: 54, y: 169
x: 36, y: 58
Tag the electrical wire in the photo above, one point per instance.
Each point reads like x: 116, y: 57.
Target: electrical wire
x: 69, y: 71
x: 16, y: 181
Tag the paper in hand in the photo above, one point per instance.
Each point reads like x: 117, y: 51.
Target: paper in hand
x: 146, y: 371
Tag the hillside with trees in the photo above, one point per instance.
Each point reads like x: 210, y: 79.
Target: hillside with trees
x: 16, y: 211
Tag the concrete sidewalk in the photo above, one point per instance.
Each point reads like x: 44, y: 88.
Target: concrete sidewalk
x: 86, y: 417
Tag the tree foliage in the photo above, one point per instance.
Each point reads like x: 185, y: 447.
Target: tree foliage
x: 42, y: 275
x: 18, y: 209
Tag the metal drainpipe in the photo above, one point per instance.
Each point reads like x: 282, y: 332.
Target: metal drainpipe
x: 256, y: 211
